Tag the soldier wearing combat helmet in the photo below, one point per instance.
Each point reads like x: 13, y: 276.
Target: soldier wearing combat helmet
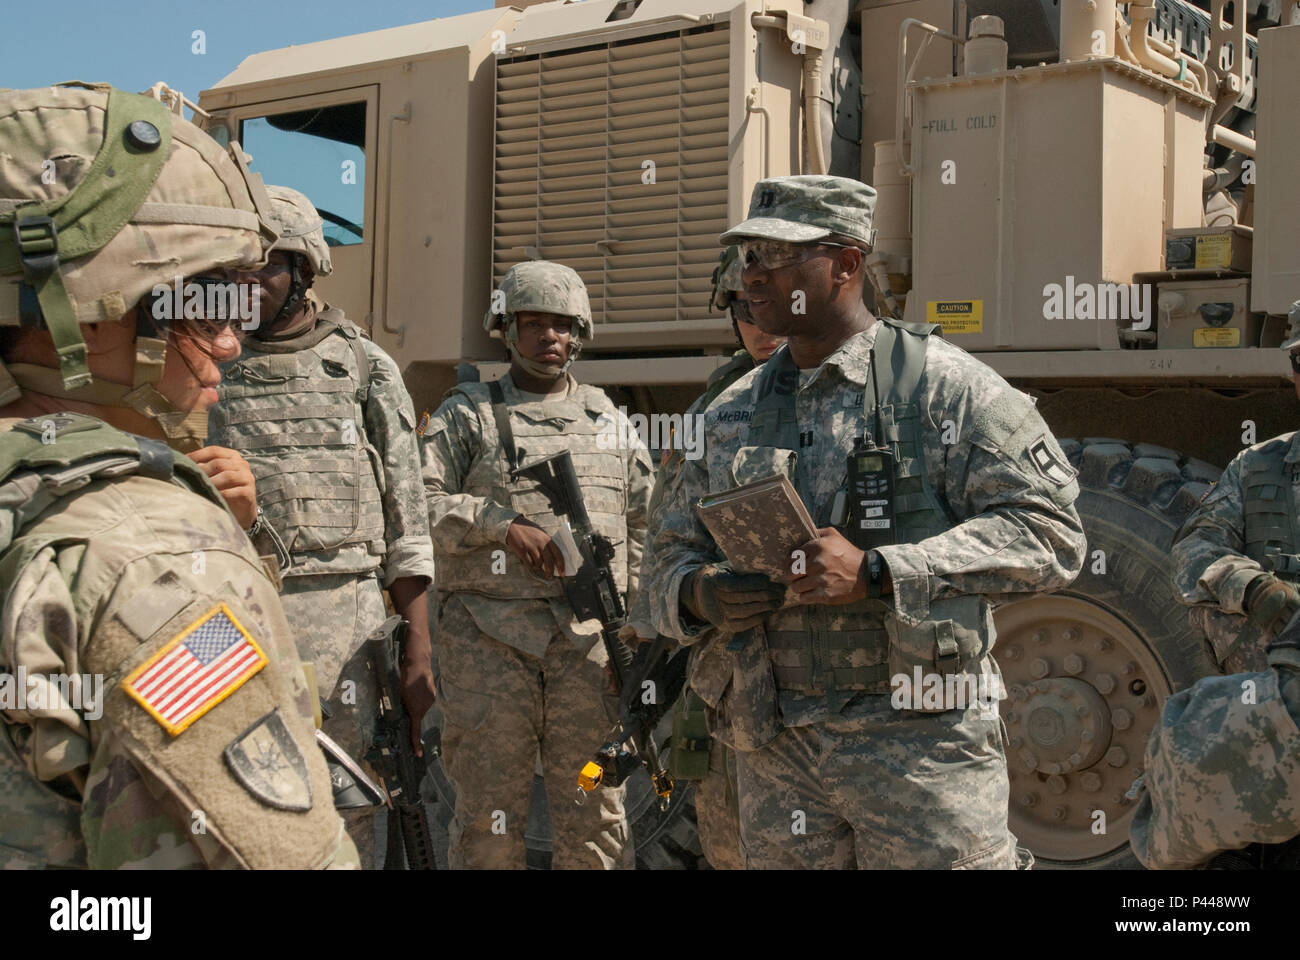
x: 122, y: 565
x: 1237, y: 557
x: 518, y: 671
x: 327, y: 424
x: 826, y: 734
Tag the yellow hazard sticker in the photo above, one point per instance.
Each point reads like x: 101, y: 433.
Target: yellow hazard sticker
x: 1213, y: 251
x: 956, y: 316
x: 1216, y: 337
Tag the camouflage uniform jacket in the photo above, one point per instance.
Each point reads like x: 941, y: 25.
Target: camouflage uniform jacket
x: 1222, y: 768
x: 96, y: 585
x: 472, y: 503
x: 1210, y: 554
x: 283, y: 411
x: 1003, y: 481
x: 670, y: 468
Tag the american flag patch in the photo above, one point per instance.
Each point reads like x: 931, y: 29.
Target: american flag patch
x: 196, y: 670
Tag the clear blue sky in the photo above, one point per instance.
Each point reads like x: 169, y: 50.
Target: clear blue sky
x: 134, y: 43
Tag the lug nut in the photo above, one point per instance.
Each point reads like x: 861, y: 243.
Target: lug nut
x: 1104, y: 683
x: 1070, y: 635
x: 1090, y: 782
x: 1117, y: 756
x: 1121, y: 718
x: 1073, y: 663
x: 1104, y: 643
x: 1040, y: 636
x: 1057, y: 784
x: 1014, y: 652
x: 1039, y: 668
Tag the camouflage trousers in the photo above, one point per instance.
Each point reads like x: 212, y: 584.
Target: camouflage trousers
x: 500, y: 706
x: 717, y: 810
x: 879, y: 788
x: 331, y: 616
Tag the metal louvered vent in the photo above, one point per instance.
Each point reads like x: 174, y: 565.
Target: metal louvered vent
x: 574, y: 130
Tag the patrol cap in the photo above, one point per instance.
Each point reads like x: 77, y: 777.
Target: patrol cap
x: 1293, y: 327
x: 806, y: 208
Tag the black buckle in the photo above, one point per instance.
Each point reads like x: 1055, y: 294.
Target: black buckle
x: 37, y: 239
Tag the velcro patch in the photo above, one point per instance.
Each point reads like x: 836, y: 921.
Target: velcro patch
x: 1048, y: 464
x: 197, y: 669
x: 267, y: 760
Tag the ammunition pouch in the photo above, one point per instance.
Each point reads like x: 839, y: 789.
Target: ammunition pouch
x: 954, y: 640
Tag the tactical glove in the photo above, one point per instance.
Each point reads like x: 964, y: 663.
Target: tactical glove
x: 731, y: 601
x: 1271, y: 602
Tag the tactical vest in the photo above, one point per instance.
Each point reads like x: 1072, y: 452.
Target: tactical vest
x: 294, y: 409
x: 41, y: 460
x: 1271, y: 528
x: 850, y: 647
x: 584, y: 423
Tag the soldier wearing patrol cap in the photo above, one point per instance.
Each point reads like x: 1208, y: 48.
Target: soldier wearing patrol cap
x: 694, y: 755
x: 519, y: 673
x: 838, y: 765
x: 327, y: 424
x: 1221, y: 781
x: 155, y: 713
x: 1236, y: 558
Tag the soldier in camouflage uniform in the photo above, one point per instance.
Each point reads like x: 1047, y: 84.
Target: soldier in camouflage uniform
x: 694, y: 754
x: 518, y: 672
x: 1222, y: 771
x: 155, y: 712
x: 328, y: 427
x: 830, y: 772
x: 1237, y: 557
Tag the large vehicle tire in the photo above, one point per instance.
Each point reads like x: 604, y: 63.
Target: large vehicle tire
x: 1088, y: 668
x: 665, y: 839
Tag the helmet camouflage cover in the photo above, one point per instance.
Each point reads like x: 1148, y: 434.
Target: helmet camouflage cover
x: 542, y: 287
x: 727, y: 277
x: 300, y: 228
x: 104, y: 195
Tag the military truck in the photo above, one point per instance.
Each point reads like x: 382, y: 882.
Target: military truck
x: 1102, y: 202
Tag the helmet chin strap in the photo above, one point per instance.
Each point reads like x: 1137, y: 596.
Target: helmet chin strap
x: 547, y: 371
x: 298, y: 287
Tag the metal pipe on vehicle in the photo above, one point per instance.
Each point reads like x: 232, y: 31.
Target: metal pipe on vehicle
x: 905, y: 77
x: 815, y: 154
x: 1148, y: 56
x: 1231, y: 138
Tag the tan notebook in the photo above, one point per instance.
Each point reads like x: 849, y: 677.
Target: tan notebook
x: 757, y: 525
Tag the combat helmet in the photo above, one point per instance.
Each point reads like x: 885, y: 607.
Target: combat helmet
x: 104, y: 197
x: 543, y: 287
x: 302, y: 236
x: 727, y: 283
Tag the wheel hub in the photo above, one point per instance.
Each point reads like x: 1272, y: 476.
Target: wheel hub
x: 1084, y: 690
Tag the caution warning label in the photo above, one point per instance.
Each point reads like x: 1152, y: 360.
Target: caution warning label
x: 1214, y: 251
x: 1216, y: 337
x: 956, y: 316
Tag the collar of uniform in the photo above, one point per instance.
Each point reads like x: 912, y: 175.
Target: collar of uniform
x: 852, y: 358
x: 1293, y: 452
x: 515, y: 395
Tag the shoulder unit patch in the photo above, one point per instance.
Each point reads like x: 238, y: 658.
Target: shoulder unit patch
x: 1048, y: 464
x: 270, y: 765
x: 423, y: 425
x: 197, y: 669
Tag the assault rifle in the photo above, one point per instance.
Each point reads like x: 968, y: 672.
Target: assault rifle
x: 392, y: 757
x: 592, y: 592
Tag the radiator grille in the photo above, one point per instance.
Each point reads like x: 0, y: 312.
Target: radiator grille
x: 573, y: 129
